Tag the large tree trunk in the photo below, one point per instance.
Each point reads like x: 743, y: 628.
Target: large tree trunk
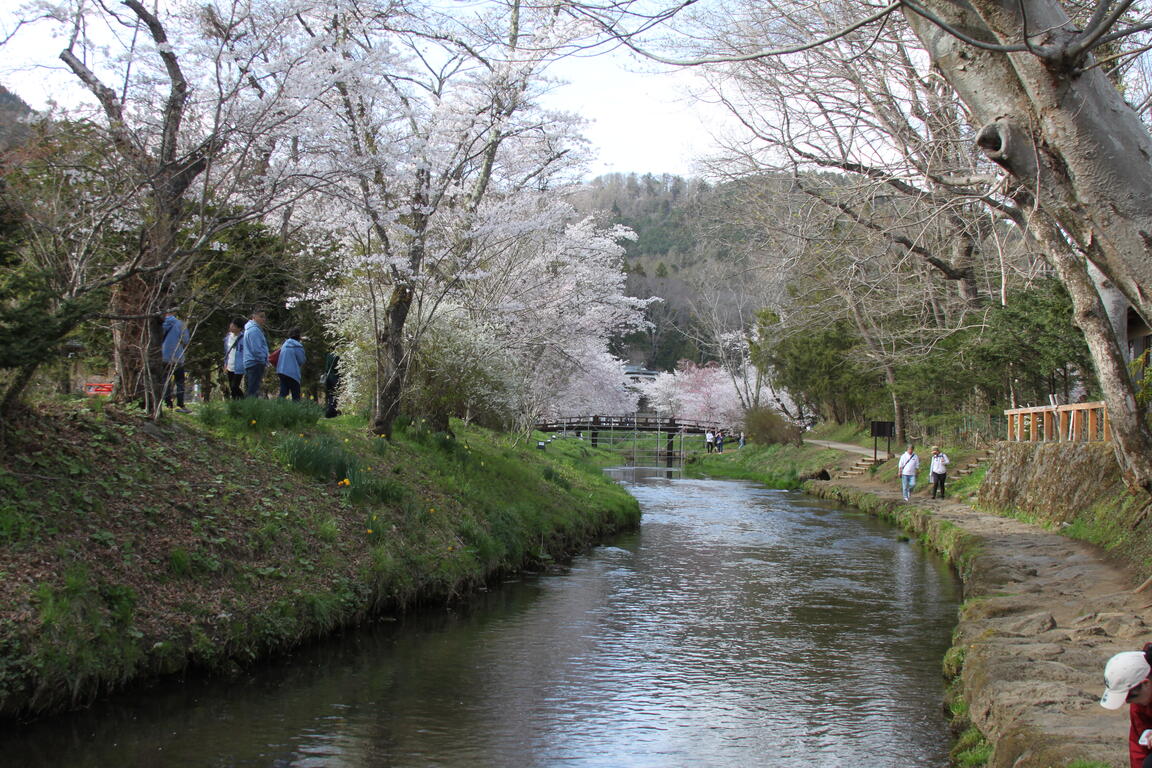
x: 1072, y: 144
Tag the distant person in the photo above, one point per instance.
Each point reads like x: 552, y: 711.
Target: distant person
x: 939, y: 469
x: 720, y: 441
x: 290, y: 364
x: 234, y: 358
x: 173, y: 347
x: 331, y: 385
x: 255, y: 353
x: 741, y: 438
x: 1126, y: 682
x: 908, y: 466
x: 710, y: 441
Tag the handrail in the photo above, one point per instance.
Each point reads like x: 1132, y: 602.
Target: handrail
x: 1076, y: 422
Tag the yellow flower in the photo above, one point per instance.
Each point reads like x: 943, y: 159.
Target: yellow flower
x: 369, y: 530
x: 345, y: 481
x: 253, y: 421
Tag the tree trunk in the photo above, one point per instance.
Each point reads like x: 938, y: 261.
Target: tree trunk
x: 1075, y: 148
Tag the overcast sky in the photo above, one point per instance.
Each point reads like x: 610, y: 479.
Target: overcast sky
x: 641, y: 116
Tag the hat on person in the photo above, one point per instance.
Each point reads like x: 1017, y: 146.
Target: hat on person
x: 1122, y: 673
x: 935, y: 448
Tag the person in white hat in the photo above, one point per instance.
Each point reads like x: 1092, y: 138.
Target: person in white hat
x: 1126, y: 682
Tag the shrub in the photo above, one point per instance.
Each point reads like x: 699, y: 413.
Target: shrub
x: 767, y: 427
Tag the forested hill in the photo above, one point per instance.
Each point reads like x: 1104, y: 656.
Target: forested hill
x: 14, y: 115
x: 664, y: 258
x: 687, y: 240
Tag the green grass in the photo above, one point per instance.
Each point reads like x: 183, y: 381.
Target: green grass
x: 775, y: 466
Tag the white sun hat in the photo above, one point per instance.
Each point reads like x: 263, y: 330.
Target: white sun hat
x: 1122, y: 673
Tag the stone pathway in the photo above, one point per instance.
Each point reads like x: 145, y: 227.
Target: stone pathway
x: 1044, y: 615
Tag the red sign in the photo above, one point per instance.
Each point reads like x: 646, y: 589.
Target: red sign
x: 97, y: 388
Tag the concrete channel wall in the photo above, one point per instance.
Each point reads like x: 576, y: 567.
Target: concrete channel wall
x: 1042, y: 612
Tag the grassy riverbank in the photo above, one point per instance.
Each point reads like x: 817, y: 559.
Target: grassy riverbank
x: 774, y: 466
x: 130, y: 549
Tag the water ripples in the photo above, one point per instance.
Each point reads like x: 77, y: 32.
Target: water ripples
x: 738, y: 627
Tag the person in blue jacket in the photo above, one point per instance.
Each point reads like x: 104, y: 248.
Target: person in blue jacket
x: 172, y: 348
x: 255, y: 353
x: 289, y: 365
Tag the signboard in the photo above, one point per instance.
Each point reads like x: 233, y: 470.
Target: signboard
x: 100, y: 388
x: 883, y: 429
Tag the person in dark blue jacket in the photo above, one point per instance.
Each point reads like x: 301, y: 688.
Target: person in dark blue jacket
x: 172, y: 348
x: 289, y: 365
x: 255, y: 353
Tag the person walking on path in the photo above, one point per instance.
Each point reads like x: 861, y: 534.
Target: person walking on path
x: 289, y: 364
x: 709, y: 441
x: 908, y: 466
x: 255, y: 353
x: 1126, y: 681
x: 720, y: 441
x: 234, y: 358
x: 939, y: 469
x: 173, y: 347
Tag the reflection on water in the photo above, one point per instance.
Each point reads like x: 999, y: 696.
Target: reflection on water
x: 738, y: 627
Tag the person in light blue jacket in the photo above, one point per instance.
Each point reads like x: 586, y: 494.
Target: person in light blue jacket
x: 289, y: 365
x: 255, y: 353
x: 172, y: 348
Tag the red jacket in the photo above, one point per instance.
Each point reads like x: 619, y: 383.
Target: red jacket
x: 1141, y: 717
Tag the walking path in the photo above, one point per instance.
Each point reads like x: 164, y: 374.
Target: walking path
x: 846, y: 447
x: 1042, y: 616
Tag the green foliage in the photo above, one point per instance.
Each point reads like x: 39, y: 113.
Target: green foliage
x: 367, y: 488
x: 322, y: 459
x: 971, y: 749
x: 262, y: 415
x: 817, y: 366
x: 767, y: 427
x: 87, y: 637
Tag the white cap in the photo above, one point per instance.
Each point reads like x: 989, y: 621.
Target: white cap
x: 1122, y: 673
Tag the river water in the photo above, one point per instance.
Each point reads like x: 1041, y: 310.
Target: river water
x: 738, y: 627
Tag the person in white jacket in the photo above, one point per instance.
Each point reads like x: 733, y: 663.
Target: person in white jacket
x: 939, y: 469
x: 909, y: 465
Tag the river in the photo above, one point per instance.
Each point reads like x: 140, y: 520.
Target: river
x: 737, y: 627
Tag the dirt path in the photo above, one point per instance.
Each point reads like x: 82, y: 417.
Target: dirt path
x: 1044, y: 615
x: 846, y: 447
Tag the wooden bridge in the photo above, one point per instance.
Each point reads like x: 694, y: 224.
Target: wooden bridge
x: 657, y: 448
x: 627, y: 423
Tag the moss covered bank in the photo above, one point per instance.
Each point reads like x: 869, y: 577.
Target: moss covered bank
x: 130, y: 550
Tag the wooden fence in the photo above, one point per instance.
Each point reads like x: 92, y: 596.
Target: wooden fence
x: 1081, y: 422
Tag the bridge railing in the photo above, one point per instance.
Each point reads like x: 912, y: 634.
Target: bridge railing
x: 639, y: 422
x: 1078, y: 422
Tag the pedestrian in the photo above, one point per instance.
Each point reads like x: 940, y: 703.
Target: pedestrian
x: 709, y: 441
x: 908, y: 466
x: 741, y: 438
x: 939, y: 469
x: 172, y: 348
x: 255, y: 353
x: 331, y: 384
x: 1126, y: 681
x: 289, y: 365
x: 720, y: 441
x: 234, y: 357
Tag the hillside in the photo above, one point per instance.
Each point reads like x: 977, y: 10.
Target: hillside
x: 130, y: 549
